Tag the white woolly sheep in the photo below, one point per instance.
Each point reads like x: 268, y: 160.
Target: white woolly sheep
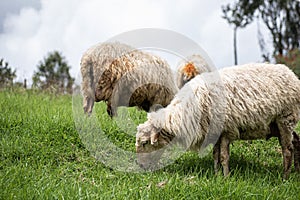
x: 260, y: 101
x: 135, y: 78
x: 190, y: 67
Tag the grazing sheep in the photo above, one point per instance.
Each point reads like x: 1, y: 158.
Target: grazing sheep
x: 94, y: 62
x: 260, y: 101
x: 191, y: 67
x: 135, y: 78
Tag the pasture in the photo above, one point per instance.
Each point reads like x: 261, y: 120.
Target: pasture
x: 43, y: 157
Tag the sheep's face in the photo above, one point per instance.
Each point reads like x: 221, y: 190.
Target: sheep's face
x: 189, y: 72
x: 149, y: 146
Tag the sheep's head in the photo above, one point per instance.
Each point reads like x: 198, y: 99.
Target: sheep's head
x: 149, y: 145
x: 189, y: 72
x: 103, y: 92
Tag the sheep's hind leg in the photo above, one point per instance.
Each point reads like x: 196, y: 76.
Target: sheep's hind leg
x: 224, y: 154
x: 216, y: 156
x: 287, y: 147
x: 296, y: 143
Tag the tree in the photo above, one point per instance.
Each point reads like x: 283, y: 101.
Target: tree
x: 240, y: 14
x: 7, y: 75
x: 280, y: 16
x: 53, y: 73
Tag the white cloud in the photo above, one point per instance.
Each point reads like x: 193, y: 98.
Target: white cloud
x: 71, y: 26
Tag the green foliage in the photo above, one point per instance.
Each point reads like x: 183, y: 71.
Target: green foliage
x: 6, y: 74
x: 281, y: 17
x: 53, y: 73
x: 42, y: 157
x: 292, y: 60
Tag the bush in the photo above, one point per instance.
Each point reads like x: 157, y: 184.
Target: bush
x: 292, y: 60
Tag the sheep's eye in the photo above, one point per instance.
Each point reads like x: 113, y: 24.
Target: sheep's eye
x: 144, y: 143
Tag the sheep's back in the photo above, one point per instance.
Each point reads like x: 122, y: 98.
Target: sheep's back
x: 258, y: 94
x: 139, y: 77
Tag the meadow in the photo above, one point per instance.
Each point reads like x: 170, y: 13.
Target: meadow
x: 42, y: 156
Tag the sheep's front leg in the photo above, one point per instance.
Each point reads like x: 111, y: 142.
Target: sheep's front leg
x: 88, y: 104
x: 216, y: 156
x: 109, y: 110
x: 224, y: 154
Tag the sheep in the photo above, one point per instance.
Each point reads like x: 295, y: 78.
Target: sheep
x: 190, y: 67
x: 93, y: 64
x: 247, y: 102
x: 135, y: 78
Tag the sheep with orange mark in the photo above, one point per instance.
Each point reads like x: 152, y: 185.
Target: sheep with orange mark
x: 190, y: 67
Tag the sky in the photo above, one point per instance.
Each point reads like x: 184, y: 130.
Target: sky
x: 30, y: 29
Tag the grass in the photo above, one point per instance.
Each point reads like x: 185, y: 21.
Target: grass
x: 42, y: 156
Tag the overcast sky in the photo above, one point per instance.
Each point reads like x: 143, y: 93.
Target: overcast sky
x: 32, y: 28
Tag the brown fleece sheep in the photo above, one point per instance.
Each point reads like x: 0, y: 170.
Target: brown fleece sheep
x: 94, y: 62
x: 128, y: 78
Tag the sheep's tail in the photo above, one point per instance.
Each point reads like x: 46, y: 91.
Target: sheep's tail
x: 87, y: 86
x: 296, y: 143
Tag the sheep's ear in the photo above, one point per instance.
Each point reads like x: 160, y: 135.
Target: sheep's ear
x: 137, y: 142
x: 154, y: 137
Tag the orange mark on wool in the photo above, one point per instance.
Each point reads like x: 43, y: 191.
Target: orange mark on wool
x: 190, y: 69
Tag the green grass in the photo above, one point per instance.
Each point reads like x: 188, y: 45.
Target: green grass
x: 43, y: 157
